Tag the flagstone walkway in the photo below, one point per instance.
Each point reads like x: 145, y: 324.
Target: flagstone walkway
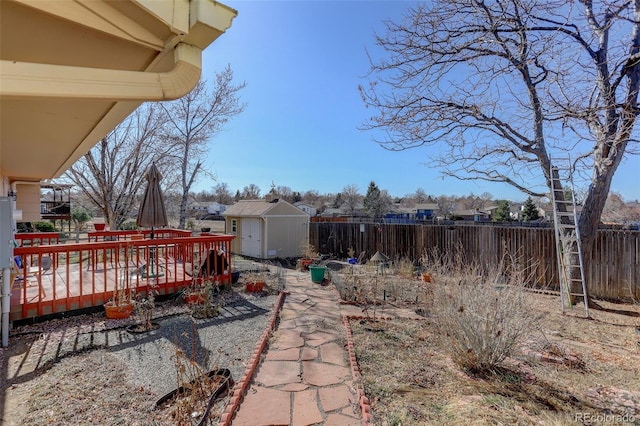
x: 304, y: 377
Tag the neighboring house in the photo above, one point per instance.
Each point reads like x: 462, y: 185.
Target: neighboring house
x: 310, y: 210
x: 471, y: 215
x: 331, y: 212
x: 198, y: 208
x: 216, y: 208
x: 73, y: 70
x: 267, y: 230
x: 425, y: 211
x: 400, y: 215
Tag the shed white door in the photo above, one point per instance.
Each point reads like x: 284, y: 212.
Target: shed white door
x: 251, y: 237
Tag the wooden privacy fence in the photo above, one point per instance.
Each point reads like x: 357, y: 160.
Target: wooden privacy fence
x: 612, y: 272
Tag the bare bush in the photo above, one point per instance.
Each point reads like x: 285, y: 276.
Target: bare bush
x: 482, y: 317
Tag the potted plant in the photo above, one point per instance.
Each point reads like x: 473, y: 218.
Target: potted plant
x: 309, y: 255
x: 209, y: 301
x: 144, y: 308
x: 202, y: 290
x: 196, y: 293
x: 121, y: 304
x: 255, y: 281
x: 99, y: 224
x: 428, y: 264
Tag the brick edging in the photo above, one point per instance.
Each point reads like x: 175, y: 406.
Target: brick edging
x: 241, y: 387
x: 363, y: 401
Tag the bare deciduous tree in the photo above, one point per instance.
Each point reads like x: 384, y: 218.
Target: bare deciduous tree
x: 251, y: 192
x: 350, y: 199
x: 507, y: 88
x: 222, y: 194
x: 311, y: 196
x: 285, y: 192
x: 111, y: 174
x: 193, y: 120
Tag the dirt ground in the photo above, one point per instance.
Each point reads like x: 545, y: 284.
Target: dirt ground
x: 568, y: 370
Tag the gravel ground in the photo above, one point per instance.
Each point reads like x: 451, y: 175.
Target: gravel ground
x: 107, y: 375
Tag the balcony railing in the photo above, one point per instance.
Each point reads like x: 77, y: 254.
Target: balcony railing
x: 63, y: 277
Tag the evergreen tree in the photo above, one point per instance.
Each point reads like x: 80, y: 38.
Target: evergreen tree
x: 337, y: 202
x: 503, y: 212
x: 530, y: 211
x: 371, y: 200
x: 376, y: 202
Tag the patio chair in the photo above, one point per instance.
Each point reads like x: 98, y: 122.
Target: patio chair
x: 19, y: 267
x: 215, y: 264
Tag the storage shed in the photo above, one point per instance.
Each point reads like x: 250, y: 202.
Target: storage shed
x: 267, y: 229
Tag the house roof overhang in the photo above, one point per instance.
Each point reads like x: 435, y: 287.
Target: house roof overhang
x: 71, y: 70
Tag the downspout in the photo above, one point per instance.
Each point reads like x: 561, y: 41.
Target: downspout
x: 6, y: 251
x: 6, y: 279
x: 265, y: 239
x: 6, y: 305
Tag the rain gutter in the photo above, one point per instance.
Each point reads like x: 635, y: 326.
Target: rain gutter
x: 23, y: 79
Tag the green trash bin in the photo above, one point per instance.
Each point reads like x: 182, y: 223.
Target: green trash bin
x: 317, y: 273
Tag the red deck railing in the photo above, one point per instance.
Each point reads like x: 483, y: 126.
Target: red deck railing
x: 64, y: 277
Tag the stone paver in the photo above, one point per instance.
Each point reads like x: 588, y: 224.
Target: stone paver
x: 333, y: 354
x: 263, y: 406
x: 272, y: 373
x: 305, y: 376
x: 324, y: 374
x: 341, y: 420
x: 305, y: 408
x: 334, y: 398
x: 292, y: 354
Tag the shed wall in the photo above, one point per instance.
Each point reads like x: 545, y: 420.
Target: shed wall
x: 285, y: 236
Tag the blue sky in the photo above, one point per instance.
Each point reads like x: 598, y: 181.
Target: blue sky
x: 302, y: 62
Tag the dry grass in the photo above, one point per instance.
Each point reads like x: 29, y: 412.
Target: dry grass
x: 411, y: 377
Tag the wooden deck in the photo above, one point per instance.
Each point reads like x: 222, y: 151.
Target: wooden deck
x: 85, y: 275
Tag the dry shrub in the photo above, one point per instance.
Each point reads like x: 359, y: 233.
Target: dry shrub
x: 404, y: 267
x: 482, y: 316
x: 195, y: 387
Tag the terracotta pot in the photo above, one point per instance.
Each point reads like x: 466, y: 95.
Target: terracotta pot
x: 255, y: 286
x: 426, y: 278
x: 194, y: 298
x: 118, y: 311
x: 304, y: 263
x: 99, y: 226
